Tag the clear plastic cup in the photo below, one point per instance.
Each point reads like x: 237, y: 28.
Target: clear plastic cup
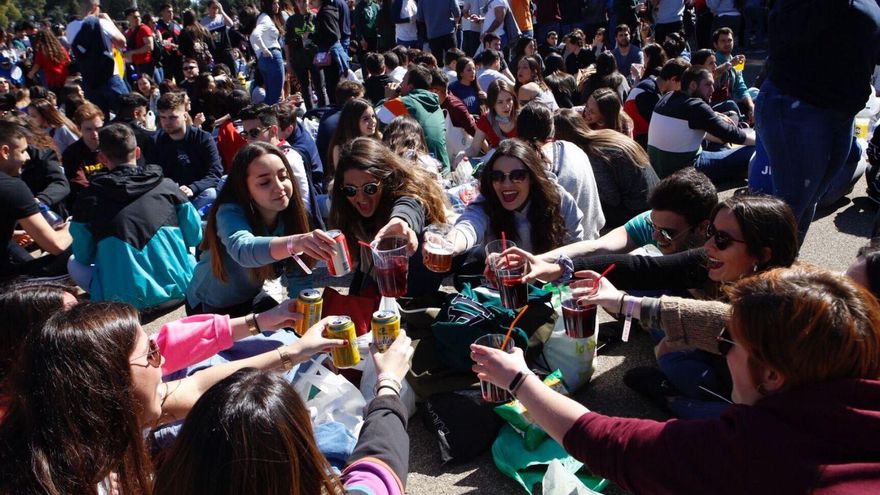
x: 508, y: 270
x: 491, y: 392
x: 437, y: 247
x: 580, y: 321
x: 392, y: 265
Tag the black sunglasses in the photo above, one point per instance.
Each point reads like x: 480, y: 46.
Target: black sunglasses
x: 154, y: 355
x: 515, y: 176
x: 253, y: 133
x: 725, y: 343
x: 369, y: 189
x: 723, y: 240
x: 667, y: 235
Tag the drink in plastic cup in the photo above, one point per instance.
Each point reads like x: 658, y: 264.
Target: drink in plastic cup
x: 740, y: 66
x: 392, y: 265
x: 508, y: 271
x: 437, y: 248
x: 491, y: 392
x: 862, y: 127
x: 580, y: 322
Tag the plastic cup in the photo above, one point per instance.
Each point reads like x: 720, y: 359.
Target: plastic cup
x: 741, y: 66
x: 491, y: 392
x: 509, y: 270
x: 437, y: 248
x: 580, y: 321
x: 861, y: 127
x: 392, y: 265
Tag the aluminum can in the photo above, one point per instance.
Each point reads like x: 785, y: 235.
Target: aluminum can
x: 309, y: 304
x: 340, y: 265
x: 386, y: 328
x: 341, y: 327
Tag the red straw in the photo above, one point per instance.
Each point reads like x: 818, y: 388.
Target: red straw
x: 365, y: 244
x: 504, y: 248
x: 606, y: 272
x: 510, y: 330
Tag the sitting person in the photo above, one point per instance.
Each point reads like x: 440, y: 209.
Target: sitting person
x: 824, y: 394
x: 187, y: 154
x: 530, y: 85
x: 99, y: 351
x: 378, y: 194
x: 603, y: 110
x: 257, y: 224
x: 258, y: 421
x: 405, y: 138
x: 640, y: 103
x: 518, y: 198
x: 606, y: 76
x: 466, y: 88
x: 80, y: 159
x: 132, y: 229
x: 624, y: 175
x: 356, y: 119
x: 455, y: 109
x: 561, y: 83
x: 499, y: 122
x: 490, y: 66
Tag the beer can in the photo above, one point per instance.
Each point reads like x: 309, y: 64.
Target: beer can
x: 340, y: 265
x: 386, y: 327
x: 309, y: 304
x: 341, y: 327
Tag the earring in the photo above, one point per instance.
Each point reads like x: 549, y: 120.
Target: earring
x: 755, y: 268
x: 762, y: 390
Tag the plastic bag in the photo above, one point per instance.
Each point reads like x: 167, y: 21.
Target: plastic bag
x: 518, y: 416
x: 330, y: 397
x: 559, y: 481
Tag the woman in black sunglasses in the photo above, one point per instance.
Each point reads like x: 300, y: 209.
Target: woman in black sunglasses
x: 91, y: 377
x: 803, y: 347
x: 378, y: 194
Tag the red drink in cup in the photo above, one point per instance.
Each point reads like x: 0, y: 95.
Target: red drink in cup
x: 514, y: 292
x: 580, y: 322
x: 392, y: 265
x: 491, y: 392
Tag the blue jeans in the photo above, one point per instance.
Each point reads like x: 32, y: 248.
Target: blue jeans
x: 688, y: 371
x: 725, y: 164
x: 410, y: 44
x: 106, y: 96
x: 272, y: 69
x: 807, y: 145
x: 204, y: 199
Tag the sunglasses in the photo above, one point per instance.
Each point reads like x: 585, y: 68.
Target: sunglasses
x: 253, y: 133
x: 515, y: 176
x: 723, y: 240
x: 369, y: 189
x: 154, y: 355
x: 667, y: 235
x: 725, y: 344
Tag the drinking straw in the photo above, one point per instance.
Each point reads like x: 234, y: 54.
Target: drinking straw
x: 302, y: 265
x: 510, y: 330
x: 365, y: 244
x: 601, y: 276
x: 504, y: 247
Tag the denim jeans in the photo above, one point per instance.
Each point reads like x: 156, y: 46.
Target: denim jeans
x: 204, y: 200
x: 689, y: 370
x: 106, y: 96
x: 807, y: 146
x: 272, y: 69
x: 725, y: 164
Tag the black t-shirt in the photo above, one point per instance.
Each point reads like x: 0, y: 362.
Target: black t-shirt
x: 16, y: 202
x: 583, y: 59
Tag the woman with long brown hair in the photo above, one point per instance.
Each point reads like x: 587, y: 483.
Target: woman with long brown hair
x: 356, y: 119
x: 624, y: 175
x: 604, y: 110
x: 266, y: 41
x: 378, y: 194
x: 51, y: 58
x: 195, y: 41
x: 499, y: 123
x: 256, y: 225
x: 44, y: 115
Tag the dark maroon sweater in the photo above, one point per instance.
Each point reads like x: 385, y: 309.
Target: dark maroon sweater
x: 818, y: 439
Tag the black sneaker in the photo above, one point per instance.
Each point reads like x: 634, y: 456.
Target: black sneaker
x: 651, y: 383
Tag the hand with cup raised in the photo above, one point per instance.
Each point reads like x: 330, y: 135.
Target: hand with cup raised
x: 398, y: 227
x: 496, y: 366
x: 606, y: 295
x: 537, y: 268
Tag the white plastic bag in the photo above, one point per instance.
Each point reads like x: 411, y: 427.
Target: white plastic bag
x: 558, y: 481
x: 330, y: 397
x: 457, y: 139
x: 368, y: 381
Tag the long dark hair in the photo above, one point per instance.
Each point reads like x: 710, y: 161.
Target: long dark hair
x: 399, y: 177
x: 236, y: 192
x: 277, y: 19
x: 192, y: 25
x: 606, y: 75
x: 606, y: 144
x: 249, y: 433
x: 765, y: 222
x: 47, y: 43
x: 536, y: 70
x: 611, y: 109
x: 547, y: 226
x: 460, y: 64
x: 74, y: 418
x: 655, y: 59
x: 349, y: 127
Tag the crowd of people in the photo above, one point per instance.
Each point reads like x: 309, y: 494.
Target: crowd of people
x: 166, y: 160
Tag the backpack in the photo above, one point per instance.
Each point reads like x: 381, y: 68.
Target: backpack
x: 94, y: 57
x: 511, y: 28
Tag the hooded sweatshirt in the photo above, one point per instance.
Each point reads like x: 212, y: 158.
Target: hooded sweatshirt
x: 136, y: 226
x: 424, y: 106
x: 821, y: 439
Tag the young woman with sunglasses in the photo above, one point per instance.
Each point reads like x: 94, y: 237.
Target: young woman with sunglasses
x: 499, y: 123
x: 747, y: 235
x: 257, y: 422
x: 803, y: 349
x: 257, y: 230
x: 518, y: 198
x: 378, y: 194
x: 93, y: 378
x: 356, y: 119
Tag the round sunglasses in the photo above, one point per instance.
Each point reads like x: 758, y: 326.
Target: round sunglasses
x: 667, y: 235
x: 368, y: 189
x: 722, y: 239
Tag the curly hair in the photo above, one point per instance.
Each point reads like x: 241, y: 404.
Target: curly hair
x: 47, y: 43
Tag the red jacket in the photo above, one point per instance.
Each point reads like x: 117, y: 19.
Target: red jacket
x: 818, y: 439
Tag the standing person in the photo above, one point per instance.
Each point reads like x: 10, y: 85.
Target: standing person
x: 725, y: 15
x: 625, y: 53
x: 440, y: 17
x: 406, y: 30
x: 668, y: 19
x: 366, y: 17
x: 548, y: 18
x: 470, y: 27
x: 328, y: 39
x: 132, y: 229
x: 139, y: 40
x: 805, y: 128
x: 266, y: 42
x: 298, y: 31
x: 195, y: 42
x: 492, y: 18
x: 218, y: 23
x: 522, y: 14
x: 170, y: 30
x: 51, y: 58
x: 93, y: 39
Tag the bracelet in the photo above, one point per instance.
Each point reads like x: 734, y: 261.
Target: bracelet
x: 390, y: 378
x: 518, y: 381
x: 286, y: 360
x: 290, y: 250
x: 620, y: 306
x: 251, y: 322
x: 629, y: 317
x: 567, y: 266
x: 380, y: 387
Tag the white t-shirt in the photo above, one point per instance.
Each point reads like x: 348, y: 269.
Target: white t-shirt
x: 107, y: 27
x: 487, y: 76
x: 408, y: 31
x: 490, y: 17
x: 299, y: 175
x: 473, y: 7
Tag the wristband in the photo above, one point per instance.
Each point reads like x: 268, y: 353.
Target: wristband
x: 518, y: 380
x: 387, y: 380
x: 290, y: 249
x: 620, y: 306
x: 380, y: 387
x: 388, y: 376
x: 286, y: 360
x: 629, y: 317
x: 567, y: 266
x: 251, y: 322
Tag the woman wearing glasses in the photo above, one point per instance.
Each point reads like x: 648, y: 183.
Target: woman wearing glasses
x: 356, y: 119
x: 92, y: 379
x: 803, y: 349
x: 257, y: 230
x: 378, y: 194
x: 518, y: 199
